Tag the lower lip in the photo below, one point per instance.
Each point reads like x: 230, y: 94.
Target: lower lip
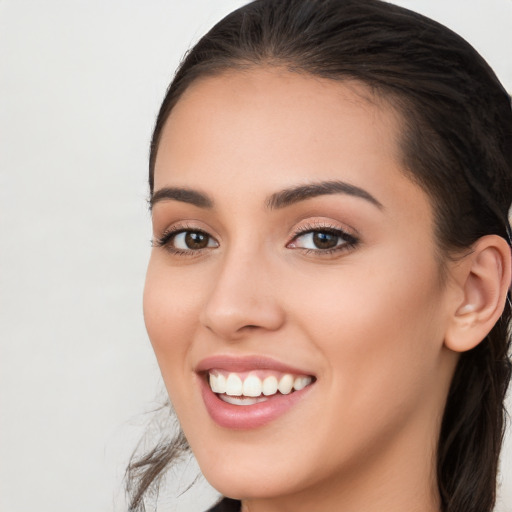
x: 243, y: 417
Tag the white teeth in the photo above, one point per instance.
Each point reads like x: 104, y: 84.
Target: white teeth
x: 252, y: 386
x: 285, y: 384
x: 270, y: 386
x: 301, y: 382
x: 221, y: 383
x: 236, y: 400
x: 212, y: 378
x: 233, y: 385
x: 218, y: 383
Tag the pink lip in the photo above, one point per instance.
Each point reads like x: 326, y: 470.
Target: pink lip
x: 242, y: 417
x: 246, y: 363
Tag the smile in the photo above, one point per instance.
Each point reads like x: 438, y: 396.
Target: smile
x: 254, y: 387
x: 249, y: 392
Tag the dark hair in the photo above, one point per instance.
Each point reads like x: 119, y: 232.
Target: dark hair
x: 456, y: 144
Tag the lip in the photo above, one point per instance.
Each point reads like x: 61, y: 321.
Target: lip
x: 247, y: 363
x: 244, y: 417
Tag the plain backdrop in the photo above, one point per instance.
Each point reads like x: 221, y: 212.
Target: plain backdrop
x: 80, y: 85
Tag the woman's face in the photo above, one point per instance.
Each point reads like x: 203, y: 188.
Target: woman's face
x: 291, y: 250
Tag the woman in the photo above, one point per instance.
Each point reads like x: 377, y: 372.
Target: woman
x: 327, y: 291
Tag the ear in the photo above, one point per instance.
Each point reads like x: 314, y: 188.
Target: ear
x: 483, y: 277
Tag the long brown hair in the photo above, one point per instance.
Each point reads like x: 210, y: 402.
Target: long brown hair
x: 456, y: 144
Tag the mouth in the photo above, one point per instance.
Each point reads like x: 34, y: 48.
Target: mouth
x: 245, y: 393
x: 249, y: 388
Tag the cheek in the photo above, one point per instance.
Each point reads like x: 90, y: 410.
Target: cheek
x: 170, y: 315
x: 381, y: 337
x: 381, y: 331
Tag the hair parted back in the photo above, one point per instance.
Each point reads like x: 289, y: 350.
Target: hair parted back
x: 456, y: 144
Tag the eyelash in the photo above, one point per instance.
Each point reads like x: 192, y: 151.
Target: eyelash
x: 171, y: 233
x: 349, y: 241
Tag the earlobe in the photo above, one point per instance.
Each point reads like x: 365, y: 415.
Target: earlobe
x: 484, y: 278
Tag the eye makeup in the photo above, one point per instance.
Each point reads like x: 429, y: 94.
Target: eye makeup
x: 185, y: 240
x: 322, y: 239
x: 318, y: 238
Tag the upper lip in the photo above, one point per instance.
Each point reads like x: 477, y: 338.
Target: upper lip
x: 246, y: 363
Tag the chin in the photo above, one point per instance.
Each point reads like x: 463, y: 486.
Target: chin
x: 246, y: 482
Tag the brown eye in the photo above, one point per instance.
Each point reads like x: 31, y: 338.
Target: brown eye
x: 323, y: 240
x: 191, y: 241
x: 196, y: 240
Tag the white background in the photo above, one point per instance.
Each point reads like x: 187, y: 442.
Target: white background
x: 80, y: 85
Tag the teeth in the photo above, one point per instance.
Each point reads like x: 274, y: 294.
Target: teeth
x: 253, y: 387
x: 301, y: 382
x: 270, y: 386
x: 218, y: 383
x: 236, y: 400
x: 233, y: 385
x: 286, y: 384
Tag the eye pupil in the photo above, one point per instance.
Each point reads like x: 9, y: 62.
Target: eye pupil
x: 325, y: 240
x: 196, y: 240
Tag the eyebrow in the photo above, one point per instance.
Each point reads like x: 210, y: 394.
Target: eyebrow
x: 294, y: 195
x: 281, y: 199
x: 184, y: 195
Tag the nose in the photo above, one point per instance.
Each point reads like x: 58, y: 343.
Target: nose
x: 244, y: 298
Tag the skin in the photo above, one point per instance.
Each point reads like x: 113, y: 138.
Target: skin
x: 369, y: 320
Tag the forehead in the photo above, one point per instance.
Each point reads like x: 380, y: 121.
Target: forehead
x: 271, y: 115
x: 241, y: 136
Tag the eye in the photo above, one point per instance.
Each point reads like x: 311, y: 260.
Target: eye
x: 323, y: 240
x: 193, y: 240
x: 186, y: 241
